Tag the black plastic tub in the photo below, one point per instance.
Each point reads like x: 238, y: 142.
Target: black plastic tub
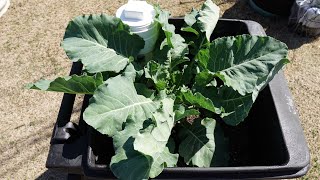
x: 269, y: 144
x: 272, y: 7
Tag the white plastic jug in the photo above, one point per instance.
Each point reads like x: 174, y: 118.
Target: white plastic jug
x: 4, y: 5
x: 139, y: 16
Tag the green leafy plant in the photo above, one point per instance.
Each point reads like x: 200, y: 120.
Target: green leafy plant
x: 171, y: 103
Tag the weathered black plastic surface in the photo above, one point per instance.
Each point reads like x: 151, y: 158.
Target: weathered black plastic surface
x: 272, y: 144
x: 276, y: 7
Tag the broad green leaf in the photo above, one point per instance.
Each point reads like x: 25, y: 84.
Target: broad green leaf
x: 171, y: 144
x: 162, y: 160
x: 130, y: 72
x: 158, y: 74
x: 197, y: 144
x: 139, y: 68
x: 263, y: 82
x: 188, y: 113
x: 101, y: 43
x: 242, y: 62
x: 202, y: 79
x: 130, y: 143
x: 131, y: 129
x: 183, y: 76
x: 143, y: 90
x: 208, y: 18
x: 205, y: 19
x: 221, y: 153
x: 157, y: 136
x: 114, y: 102
x: 189, y: 73
x: 172, y: 50
x: 130, y: 164
x: 191, y: 18
x: 176, y: 78
x: 235, y: 106
x: 182, y: 113
x: 191, y: 30
x: 71, y: 84
x: 162, y: 18
x: 200, y: 24
x: 179, y: 110
x: 199, y: 100
x: 177, y: 55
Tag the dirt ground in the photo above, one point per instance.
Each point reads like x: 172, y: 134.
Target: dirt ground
x: 30, y: 36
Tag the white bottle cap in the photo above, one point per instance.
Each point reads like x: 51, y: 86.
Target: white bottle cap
x: 137, y: 14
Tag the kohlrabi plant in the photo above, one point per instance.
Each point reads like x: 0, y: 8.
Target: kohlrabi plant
x: 171, y: 103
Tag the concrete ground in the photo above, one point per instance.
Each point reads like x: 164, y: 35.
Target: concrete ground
x: 30, y: 36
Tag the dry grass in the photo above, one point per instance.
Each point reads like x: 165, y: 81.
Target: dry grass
x: 30, y: 35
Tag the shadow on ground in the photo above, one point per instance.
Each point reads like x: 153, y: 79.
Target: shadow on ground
x: 274, y: 26
x: 52, y: 175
